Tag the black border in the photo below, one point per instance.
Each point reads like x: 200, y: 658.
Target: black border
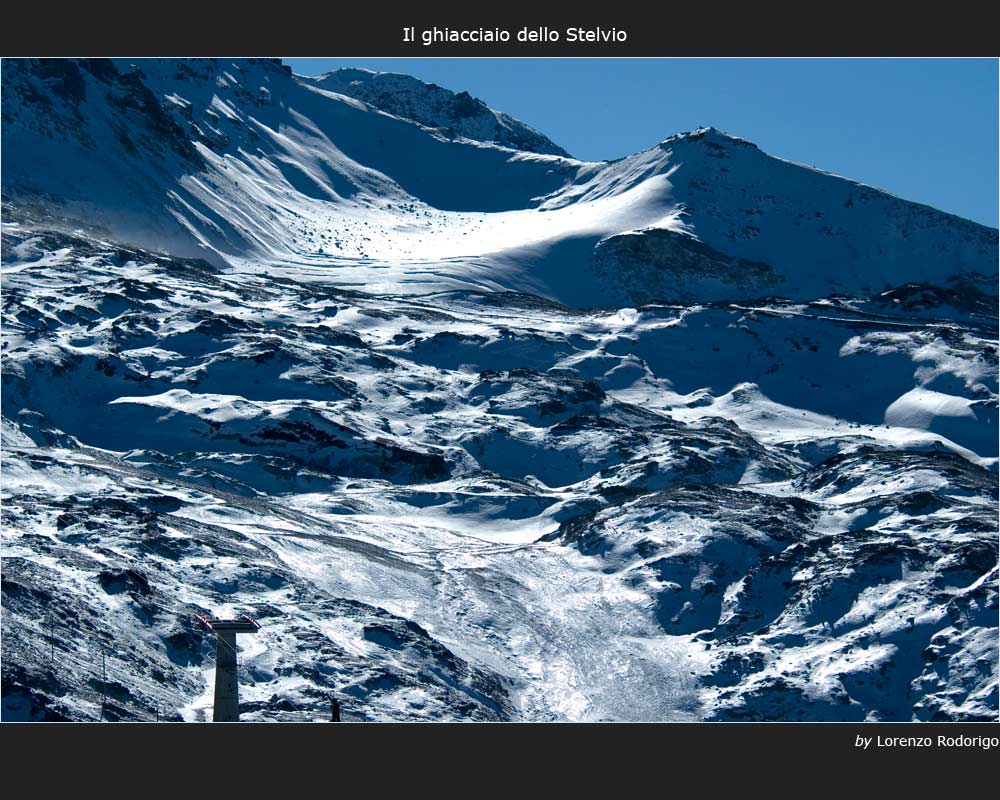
x: 796, y: 759
x: 352, y: 30
x: 428, y: 757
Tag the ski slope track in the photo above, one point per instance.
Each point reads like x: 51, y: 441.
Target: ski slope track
x: 474, y: 429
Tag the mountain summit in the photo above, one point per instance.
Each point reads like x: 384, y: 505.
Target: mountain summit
x: 452, y: 113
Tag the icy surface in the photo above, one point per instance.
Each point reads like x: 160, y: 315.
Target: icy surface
x: 474, y: 432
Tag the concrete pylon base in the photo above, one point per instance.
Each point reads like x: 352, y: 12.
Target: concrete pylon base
x: 227, y: 692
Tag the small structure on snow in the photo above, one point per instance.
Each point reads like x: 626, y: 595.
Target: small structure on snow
x: 227, y: 692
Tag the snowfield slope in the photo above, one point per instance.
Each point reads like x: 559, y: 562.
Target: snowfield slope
x: 477, y: 432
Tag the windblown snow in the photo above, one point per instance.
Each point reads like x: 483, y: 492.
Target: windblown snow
x: 476, y: 430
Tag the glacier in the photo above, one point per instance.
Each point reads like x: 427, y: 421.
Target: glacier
x: 477, y: 430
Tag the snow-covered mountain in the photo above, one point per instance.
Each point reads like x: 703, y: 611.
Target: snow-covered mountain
x: 242, y: 162
x: 477, y: 432
x: 457, y: 114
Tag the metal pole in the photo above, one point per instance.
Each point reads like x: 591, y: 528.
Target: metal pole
x: 104, y: 681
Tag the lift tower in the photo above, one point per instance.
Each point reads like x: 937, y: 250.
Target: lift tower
x: 227, y: 691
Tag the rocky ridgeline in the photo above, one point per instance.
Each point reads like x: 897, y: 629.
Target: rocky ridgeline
x: 454, y: 113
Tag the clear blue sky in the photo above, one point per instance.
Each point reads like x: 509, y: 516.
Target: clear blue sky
x: 924, y: 129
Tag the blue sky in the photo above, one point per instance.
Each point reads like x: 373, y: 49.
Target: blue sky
x: 924, y: 129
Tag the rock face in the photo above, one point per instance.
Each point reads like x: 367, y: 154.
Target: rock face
x: 454, y: 113
x: 444, y: 497
x: 667, y: 264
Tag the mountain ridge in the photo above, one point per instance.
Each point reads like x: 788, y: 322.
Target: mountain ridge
x: 262, y: 164
x: 457, y: 113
